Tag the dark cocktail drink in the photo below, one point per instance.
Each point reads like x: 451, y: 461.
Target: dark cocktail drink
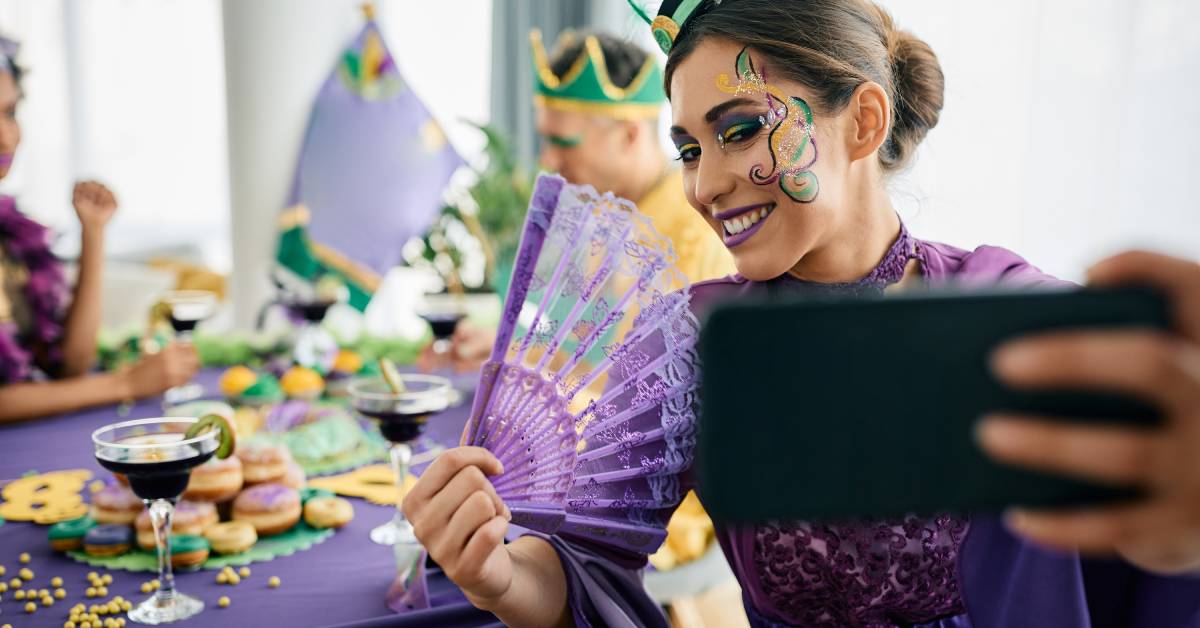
x: 399, y: 427
x: 186, y: 309
x: 443, y: 324
x: 154, y: 473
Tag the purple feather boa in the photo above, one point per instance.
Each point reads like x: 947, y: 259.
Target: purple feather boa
x: 28, y: 243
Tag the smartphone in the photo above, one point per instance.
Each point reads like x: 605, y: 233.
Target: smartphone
x: 823, y: 409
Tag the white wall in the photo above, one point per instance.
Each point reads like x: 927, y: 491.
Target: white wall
x: 1070, y: 128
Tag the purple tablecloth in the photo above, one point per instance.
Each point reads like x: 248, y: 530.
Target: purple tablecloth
x: 340, y: 582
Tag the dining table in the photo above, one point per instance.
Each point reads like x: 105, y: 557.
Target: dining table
x: 341, y: 581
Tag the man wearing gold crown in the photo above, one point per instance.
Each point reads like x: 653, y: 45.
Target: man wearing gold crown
x: 598, y: 99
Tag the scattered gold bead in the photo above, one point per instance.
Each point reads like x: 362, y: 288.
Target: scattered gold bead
x: 47, y: 601
x: 222, y: 578
x: 126, y: 606
x: 3, y: 570
x: 24, y: 558
x: 94, y: 618
x: 43, y: 592
x: 223, y: 602
x: 69, y: 624
x: 85, y: 624
x: 244, y: 572
x: 155, y: 583
x: 15, y: 583
x: 26, y: 574
x: 113, y: 608
x: 30, y: 607
x: 273, y: 582
x: 56, y: 581
x: 92, y: 575
x: 91, y: 592
x: 101, y: 591
x: 3, y: 587
x: 234, y: 578
x: 107, y: 578
x: 60, y: 593
x: 19, y: 595
x: 147, y: 587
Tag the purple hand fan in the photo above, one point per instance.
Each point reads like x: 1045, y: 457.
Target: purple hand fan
x: 588, y: 397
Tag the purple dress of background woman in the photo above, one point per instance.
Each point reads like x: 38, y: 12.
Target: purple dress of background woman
x: 943, y: 571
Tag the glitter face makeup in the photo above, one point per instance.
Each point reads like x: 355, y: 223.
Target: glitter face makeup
x: 793, y: 149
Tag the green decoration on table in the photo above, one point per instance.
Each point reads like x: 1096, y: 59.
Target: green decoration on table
x: 299, y: 538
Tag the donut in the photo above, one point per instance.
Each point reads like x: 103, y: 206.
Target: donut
x: 231, y: 537
x: 328, y: 512
x: 189, y: 518
x: 108, y: 540
x: 217, y: 480
x: 264, y: 462
x: 295, y: 477
x: 188, y: 550
x: 116, y: 504
x: 67, y: 536
x: 271, y: 508
x: 309, y: 492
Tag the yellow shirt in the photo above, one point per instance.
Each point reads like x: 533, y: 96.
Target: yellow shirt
x: 702, y: 256
x: 701, y: 253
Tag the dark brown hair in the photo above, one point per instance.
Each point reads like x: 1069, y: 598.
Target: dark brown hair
x: 832, y: 47
x: 622, y: 59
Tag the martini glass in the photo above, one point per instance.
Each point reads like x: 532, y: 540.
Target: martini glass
x: 314, y: 347
x: 402, y: 418
x: 158, y: 460
x: 443, y: 312
x: 187, y: 309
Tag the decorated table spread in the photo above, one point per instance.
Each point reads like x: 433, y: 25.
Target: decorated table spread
x: 342, y: 580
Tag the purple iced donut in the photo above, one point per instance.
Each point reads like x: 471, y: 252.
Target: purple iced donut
x: 115, y: 503
x: 271, y: 508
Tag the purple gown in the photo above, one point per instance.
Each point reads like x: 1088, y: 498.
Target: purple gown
x: 941, y: 571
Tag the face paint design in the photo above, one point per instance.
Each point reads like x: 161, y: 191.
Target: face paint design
x: 560, y: 141
x: 790, y: 141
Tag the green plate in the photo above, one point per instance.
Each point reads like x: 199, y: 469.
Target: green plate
x: 299, y: 538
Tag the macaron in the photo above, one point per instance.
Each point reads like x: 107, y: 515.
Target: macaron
x: 66, y: 536
x: 108, y: 540
x: 188, y: 550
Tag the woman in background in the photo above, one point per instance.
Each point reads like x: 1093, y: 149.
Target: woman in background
x: 47, y: 344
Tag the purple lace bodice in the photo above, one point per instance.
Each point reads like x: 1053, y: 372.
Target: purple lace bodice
x: 851, y: 573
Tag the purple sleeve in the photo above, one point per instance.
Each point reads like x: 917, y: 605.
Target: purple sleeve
x: 1007, y: 581
x: 604, y: 587
x: 984, y: 265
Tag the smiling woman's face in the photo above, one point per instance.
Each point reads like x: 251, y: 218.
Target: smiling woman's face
x: 763, y: 169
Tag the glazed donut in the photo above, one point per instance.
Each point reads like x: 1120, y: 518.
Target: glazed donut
x: 217, y: 480
x: 188, y: 550
x: 116, y: 504
x: 264, y: 462
x: 270, y: 508
x: 328, y: 512
x: 189, y: 518
x: 294, y: 477
x: 231, y: 537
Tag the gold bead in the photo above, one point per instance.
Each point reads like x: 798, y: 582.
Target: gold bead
x: 222, y: 578
x: 223, y: 602
x: 26, y: 574
x: 56, y: 582
x: 244, y: 572
x: 60, y: 593
x: 30, y: 607
x: 234, y: 578
x: 273, y: 582
x: 107, y: 578
x: 91, y: 592
x: 147, y: 587
x: 24, y: 558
